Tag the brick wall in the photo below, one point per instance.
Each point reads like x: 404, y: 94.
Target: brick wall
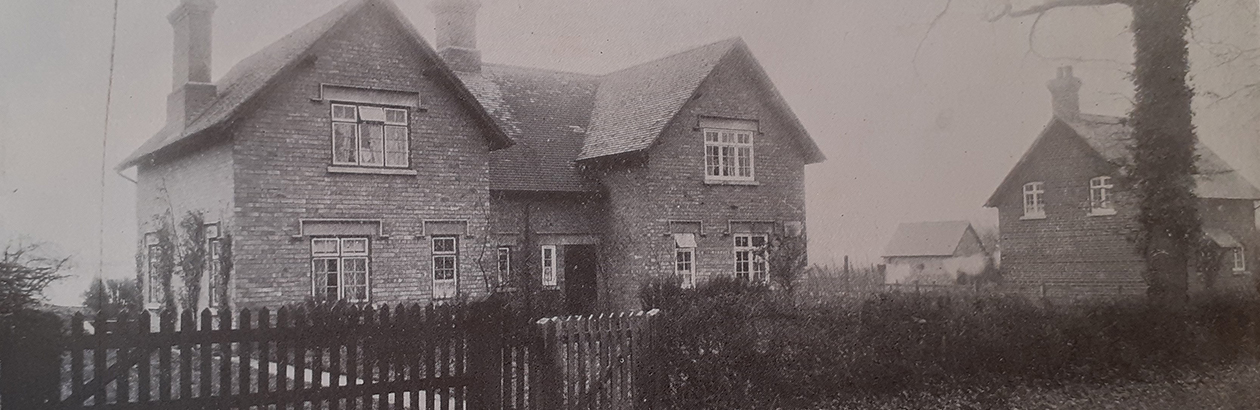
x: 1237, y: 217
x: 668, y: 185
x: 1068, y: 246
x: 1075, y: 254
x: 283, y: 152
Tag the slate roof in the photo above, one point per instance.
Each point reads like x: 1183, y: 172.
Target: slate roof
x: 248, y: 77
x: 547, y: 113
x: 557, y: 118
x: 939, y: 238
x: 1110, y: 138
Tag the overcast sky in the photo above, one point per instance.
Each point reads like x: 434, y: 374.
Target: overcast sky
x: 907, y: 138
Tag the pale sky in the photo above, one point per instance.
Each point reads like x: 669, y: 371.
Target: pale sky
x: 907, y: 139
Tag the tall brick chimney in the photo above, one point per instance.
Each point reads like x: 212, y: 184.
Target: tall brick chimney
x: 1065, y: 93
x: 456, y: 22
x: 193, y: 91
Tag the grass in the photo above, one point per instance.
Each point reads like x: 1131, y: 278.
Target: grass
x: 1235, y: 386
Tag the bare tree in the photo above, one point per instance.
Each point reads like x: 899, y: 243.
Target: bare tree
x: 24, y: 273
x: 1162, y: 169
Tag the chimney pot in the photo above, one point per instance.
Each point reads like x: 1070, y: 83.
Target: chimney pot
x: 192, y: 90
x: 456, y: 32
x: 1065, y: 93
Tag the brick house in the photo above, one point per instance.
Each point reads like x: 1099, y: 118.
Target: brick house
x: 1066, y: 223
x: 352, y: 160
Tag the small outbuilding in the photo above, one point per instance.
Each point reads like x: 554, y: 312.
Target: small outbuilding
x: 933, y: 253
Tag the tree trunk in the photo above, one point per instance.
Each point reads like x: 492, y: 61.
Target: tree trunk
x: 1163, y: 146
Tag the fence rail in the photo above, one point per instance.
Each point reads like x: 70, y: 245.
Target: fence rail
x: 412, y: 357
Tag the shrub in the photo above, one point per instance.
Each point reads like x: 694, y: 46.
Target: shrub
x: 728, y: 344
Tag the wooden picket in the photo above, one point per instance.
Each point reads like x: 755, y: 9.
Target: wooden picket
x: 403, y: 357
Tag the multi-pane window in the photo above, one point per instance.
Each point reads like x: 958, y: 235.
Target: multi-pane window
x: 1100, y: 195
x: 1034, y: 200
x: 685, y: 266
x: 369, y: 136
x: 153, y: 290
x: 728, y: 155
x: 750, y: 258
x: 1239, y: 258
x: 504, y: 265
x: 339, y: 268
x: 549, y: 265
x: 214, y: 265
x: 445, y: 266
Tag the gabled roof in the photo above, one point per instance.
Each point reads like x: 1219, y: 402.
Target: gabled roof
x: 940, y: 238
x: 547, y: 113
x: 1109, y: 137
x: 633, y: 105
x: 249, y: 77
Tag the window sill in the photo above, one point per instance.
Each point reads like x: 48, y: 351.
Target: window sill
x: 344, y: 169
x: 1241, y: 272
x: 730, y: 182
x: 1102, y: 212
x: 1032, y: 217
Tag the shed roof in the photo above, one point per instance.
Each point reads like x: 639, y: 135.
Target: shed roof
x: 938, y: 238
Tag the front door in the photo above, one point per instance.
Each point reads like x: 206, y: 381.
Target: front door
x: 579, y: 279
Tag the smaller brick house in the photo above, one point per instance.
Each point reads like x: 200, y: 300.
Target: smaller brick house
x: 1065, y: 221
x: 933, y: 253
x: 352, y: 160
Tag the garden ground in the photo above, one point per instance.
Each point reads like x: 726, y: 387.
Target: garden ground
x: 1234, y: 386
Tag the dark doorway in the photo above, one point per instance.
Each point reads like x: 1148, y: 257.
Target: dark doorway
x: 579, y: 279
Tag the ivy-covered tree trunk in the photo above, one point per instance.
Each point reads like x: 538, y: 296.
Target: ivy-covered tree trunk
x: 1163, y: 146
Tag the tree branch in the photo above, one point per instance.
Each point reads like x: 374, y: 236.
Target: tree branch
x: 1008, y: 10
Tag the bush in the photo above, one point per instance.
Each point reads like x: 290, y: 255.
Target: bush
x: 728, y: 344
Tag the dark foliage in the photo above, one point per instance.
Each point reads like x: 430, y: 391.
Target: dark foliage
x: 192, y: 258
x: 24, y: 273
x: 112, y: 296
x: 730, y: 345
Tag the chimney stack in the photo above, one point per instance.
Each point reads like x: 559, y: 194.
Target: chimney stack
x: 1065, y: 94
x: 456, y: 29
x: 192, y: 90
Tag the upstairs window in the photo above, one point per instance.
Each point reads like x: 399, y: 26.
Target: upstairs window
x: 750, y: 258
x: 369, y: 136
x: 1100, y: 196
x: 339, y: 268
x: 1034, y: 200
x: 1239, y: 258
x: 728, y: 155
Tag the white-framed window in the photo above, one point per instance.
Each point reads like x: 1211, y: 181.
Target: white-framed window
x: 214, y: 264
x: 728, y: 155
x: 750, y: 258
x: 153, y: 252
x: 1100, y: 191
x: 549, y: 265
x: 1239, y: 258
x: 339, y: 268
x: 1034, y: 200
x: 370, y: 136
x: 504, y: 263
x: 685, y: 266
x: 445, y: 266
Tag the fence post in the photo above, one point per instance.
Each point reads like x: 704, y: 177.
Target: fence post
x: 546, y: 386
x: 650, y: 379
x: 485, y: 344
x: 30, y: 361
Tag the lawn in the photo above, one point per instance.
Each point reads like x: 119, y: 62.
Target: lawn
x: 1228, y: 387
